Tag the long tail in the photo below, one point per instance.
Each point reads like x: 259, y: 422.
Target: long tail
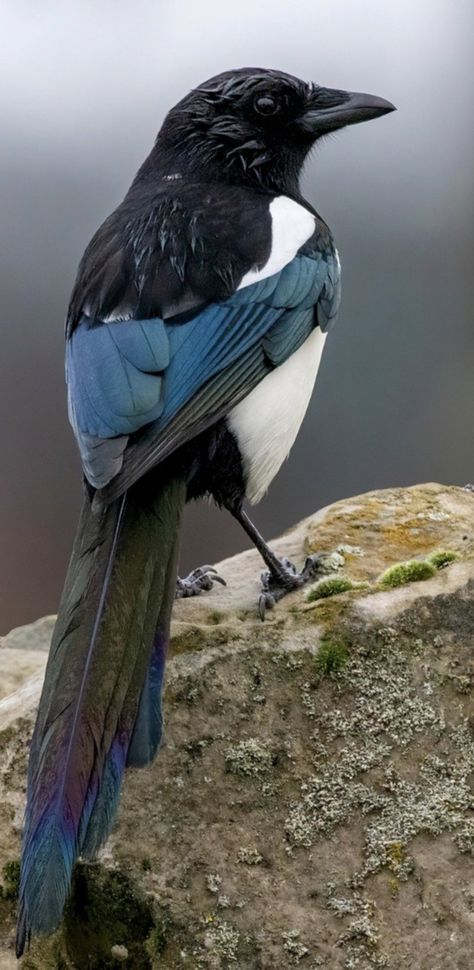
x: 101, y: 703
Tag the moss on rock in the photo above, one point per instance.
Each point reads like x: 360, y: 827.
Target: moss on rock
x: 411, y: 571
x: 329, y: 587
x: 11, y: 880
x: 106, y: 909
x: 443, y: 557
x: 331, y: 657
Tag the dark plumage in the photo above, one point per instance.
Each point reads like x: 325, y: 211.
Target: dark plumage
x: 194, y: 334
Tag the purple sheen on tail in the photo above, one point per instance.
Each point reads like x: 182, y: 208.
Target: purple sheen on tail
x: 93, y: 687
x: 106, y: 804
x: 46, y: 870
x: 148, y: 728
x: 59, y: 803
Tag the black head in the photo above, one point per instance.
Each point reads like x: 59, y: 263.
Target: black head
x: 255, y: 125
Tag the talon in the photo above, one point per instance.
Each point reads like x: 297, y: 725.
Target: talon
x: 284, y: 577
x: 200, y: 580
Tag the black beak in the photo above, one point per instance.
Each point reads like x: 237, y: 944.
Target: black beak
x: 329, y: 110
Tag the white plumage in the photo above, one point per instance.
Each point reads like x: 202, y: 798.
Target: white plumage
x: 267, y: 421
x: 292, y: 226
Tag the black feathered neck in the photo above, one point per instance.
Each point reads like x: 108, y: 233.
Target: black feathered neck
x: 214, y: 133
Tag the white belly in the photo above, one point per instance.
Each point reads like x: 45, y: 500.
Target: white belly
x: 267, y: 421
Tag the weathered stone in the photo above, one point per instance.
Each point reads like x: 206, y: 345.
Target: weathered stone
x: 312, y: 805
x: 32, y: 636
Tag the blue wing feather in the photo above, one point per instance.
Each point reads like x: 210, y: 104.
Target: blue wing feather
x: 123, y: 376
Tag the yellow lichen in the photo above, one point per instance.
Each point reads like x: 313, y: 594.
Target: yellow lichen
x: 394, y: 887
x: 395, y: 854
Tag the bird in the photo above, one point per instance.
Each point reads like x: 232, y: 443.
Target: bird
x: 194, y: 335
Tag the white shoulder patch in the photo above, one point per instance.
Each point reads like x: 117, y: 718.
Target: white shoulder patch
x: 292, y: 226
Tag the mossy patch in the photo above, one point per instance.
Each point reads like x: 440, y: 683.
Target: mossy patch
x: 411, y: 571
x: 106, y: 910
x: 331, y: 657
x: 443, y: 557
x: 159, y: 938
x: 329, y: 587
x: 11, y: 881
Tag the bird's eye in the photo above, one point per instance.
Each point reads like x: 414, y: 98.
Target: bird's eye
x: 266, y: 105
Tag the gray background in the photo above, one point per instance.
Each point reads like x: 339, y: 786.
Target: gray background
x: 83, y: 90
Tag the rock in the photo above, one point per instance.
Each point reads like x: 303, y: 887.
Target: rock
x: 27, y: 648
x: 17, y: 666
x: 312, y: 804
x: 32, y: 636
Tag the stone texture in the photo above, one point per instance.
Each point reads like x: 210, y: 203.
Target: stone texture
x: 312, y: 805
x: 32, y: 636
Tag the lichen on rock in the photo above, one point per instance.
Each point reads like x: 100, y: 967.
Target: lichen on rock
x: 312, y: 804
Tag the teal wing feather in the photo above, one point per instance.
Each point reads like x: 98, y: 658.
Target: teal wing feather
x: 146, y: 387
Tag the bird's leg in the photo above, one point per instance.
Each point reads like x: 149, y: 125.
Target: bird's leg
x: 282, y: 576
x: 198, y: 581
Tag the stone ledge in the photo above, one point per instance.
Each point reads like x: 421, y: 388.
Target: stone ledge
x: 312, y: 804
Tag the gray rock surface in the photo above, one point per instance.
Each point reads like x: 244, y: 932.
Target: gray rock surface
x: 312, y: 805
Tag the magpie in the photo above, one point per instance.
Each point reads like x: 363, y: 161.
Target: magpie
x: 193, y: 339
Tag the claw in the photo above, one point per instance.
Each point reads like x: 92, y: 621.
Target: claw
x: 200, y: 580
x: 285, y: 579
x: 219, y: 579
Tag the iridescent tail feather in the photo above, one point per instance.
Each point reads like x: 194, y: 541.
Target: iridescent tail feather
x: 100, y: 707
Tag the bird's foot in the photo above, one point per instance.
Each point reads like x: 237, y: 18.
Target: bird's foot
x: 276, y: 585
x: 199, y: 580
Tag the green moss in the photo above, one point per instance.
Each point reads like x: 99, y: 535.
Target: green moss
x: 11, y: 880
x: 158, y: 939
x: 329, y: 587
x: 106, y: 909
x: 411, y: 571
x: 442, y: 558
x: 331, y: 657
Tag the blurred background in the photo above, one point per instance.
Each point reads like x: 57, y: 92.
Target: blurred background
x: 83, y: 90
